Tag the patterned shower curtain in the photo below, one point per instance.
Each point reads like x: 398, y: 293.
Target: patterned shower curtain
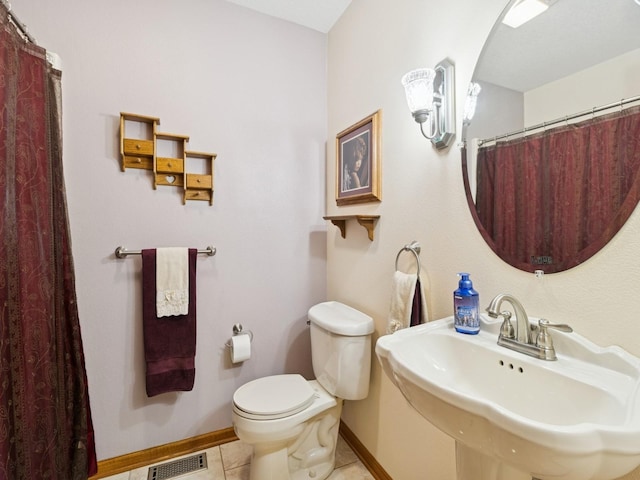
x: 45, y: 421
x: 563, y: 193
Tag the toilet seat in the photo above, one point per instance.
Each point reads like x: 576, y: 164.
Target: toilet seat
x: 273, y: 397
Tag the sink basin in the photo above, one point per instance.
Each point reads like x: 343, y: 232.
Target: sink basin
x: 576, y: 418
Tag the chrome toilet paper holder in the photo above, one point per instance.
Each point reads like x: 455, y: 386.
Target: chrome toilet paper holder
x: 238, y: 330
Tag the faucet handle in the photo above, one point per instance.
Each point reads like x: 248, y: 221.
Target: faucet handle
x: 563, y: 327
x: 544, y: 340
x: 506, y: 329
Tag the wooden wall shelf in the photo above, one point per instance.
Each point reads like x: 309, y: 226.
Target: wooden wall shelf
x: 169, y: 171
x: 137, y: 151
x: 199, y: 186
x: 166, y: 155
x: 367, y: 221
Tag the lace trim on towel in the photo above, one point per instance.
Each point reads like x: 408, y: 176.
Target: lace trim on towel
x: 172, y: 302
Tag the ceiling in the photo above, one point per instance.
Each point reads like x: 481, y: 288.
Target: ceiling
x: 316, y: 14
x: 570, y: 36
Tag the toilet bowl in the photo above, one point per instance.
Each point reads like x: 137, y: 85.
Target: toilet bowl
x: 278, y: 436
x: 292, y: 423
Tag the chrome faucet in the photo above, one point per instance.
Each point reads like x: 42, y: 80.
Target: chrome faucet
x: 525, y: 338
x: 523, y: 330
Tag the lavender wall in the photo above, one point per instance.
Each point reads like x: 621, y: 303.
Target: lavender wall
x: 251, y: 89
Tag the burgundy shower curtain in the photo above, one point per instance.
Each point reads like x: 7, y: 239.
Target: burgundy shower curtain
x: 45, y: 420
x: 563, y: 193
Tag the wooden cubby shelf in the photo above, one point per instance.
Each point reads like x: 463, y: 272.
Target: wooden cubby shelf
x: 137, y: 150
x: 167, y: 170
x: 166, y: 155
x: 199, y: 186
x: 367, y: 221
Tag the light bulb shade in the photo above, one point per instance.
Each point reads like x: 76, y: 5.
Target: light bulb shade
x: 418, y: 87
x: 471, y: 102
x: 431, y: 99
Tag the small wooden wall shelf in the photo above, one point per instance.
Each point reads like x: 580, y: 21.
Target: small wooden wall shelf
x: 166, y: 155
x: 199, y: 186
x: 169, y: 171
x: 138, y: 150
x: 367, y: 221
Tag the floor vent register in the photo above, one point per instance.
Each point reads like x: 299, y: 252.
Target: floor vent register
x: 178, y: 467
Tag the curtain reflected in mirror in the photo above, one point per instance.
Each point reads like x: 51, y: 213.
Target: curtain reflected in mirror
x: 551, y: 155
x: 551, y: 200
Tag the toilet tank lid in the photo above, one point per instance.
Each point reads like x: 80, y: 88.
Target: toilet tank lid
x: 341, y: 319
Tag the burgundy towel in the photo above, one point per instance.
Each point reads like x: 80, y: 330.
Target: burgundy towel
x: 416, y: 306
x: 169, y: 342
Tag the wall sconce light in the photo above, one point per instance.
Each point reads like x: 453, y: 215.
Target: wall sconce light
x: 471, y: 102
x: 431, y: 99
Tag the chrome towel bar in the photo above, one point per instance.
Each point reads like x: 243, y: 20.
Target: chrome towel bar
x: 122, y: 252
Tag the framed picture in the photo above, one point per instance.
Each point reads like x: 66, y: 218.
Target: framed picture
x: 358, y: 162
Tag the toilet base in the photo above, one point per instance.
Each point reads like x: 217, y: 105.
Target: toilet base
x: 272, y: 459
x: 313, y: 455
x: 309, y: 454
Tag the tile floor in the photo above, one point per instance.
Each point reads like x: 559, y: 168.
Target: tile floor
x: 230, y: 461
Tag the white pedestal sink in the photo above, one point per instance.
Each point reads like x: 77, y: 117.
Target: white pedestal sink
x: 516, y: 417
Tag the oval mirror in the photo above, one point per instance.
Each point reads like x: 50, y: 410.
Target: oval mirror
x: 551, y: 156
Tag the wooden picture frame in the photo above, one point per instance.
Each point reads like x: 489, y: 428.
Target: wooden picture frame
x: 358, y: 176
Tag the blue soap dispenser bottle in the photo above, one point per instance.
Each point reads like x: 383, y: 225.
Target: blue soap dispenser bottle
x: 466, y: 303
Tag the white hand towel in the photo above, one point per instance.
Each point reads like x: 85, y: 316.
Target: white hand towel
x: 172, y: 281
x: 403, y: 290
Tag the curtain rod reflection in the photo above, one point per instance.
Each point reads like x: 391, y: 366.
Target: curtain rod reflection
x: 566, y: 118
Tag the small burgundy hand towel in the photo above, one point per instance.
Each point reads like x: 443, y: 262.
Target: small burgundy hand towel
x: 417, y: 314
x: 169, y: 342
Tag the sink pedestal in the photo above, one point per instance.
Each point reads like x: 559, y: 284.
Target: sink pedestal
x: 473, y: 465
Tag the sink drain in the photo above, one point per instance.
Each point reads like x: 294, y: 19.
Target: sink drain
x: 178, y: 467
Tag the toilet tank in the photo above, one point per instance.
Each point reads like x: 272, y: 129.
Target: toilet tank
x: 341, y: 349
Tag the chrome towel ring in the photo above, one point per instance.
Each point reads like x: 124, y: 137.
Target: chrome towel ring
x: 413, y: 247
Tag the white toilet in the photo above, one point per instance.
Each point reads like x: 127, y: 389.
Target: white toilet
x: 291, y: 423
